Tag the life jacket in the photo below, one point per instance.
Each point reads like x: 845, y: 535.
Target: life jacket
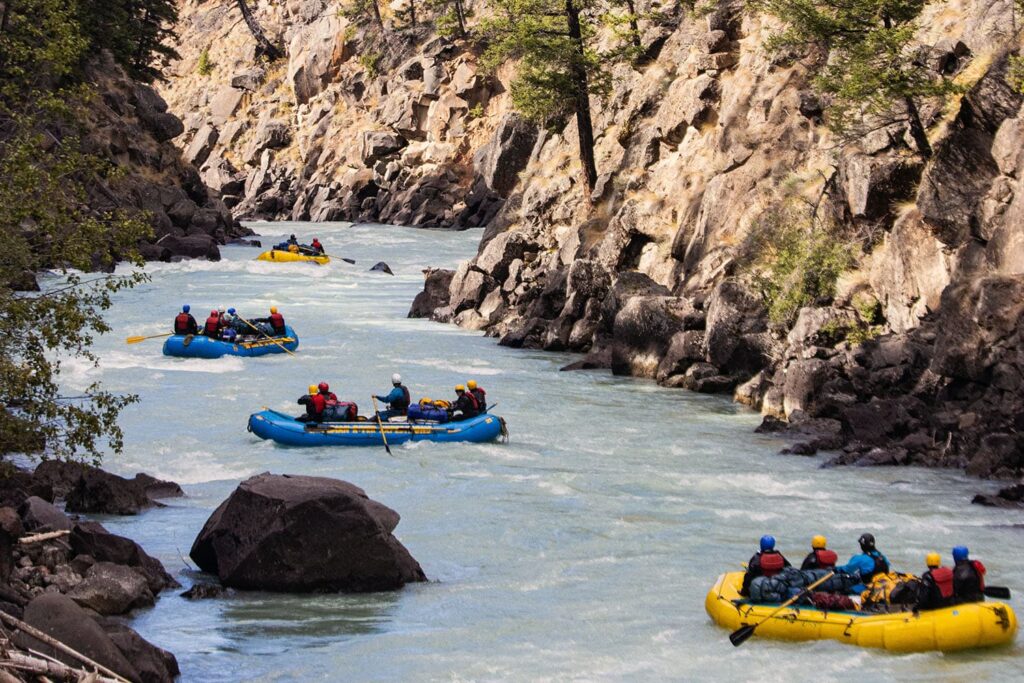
x: 772, y: 563
x: 277, y: 322
x: 181, y: 324
x: 881, y: 566
x: 825, y: 558
x: 402, y: 404
x: 212, y: 326
x: 317, y: 247
x: 943, y: 578
x: 330, y: 397
x: 980, y: 568
x: 472, y: 399
x: 319, y: 403
x: 481, y: 397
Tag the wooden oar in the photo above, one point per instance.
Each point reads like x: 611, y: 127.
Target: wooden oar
x: 380, y: 424
x: 340, y: 258
x: 261, y: 332
x: 1000, y: 592
x: 137, y: 339
x: 740, y: 635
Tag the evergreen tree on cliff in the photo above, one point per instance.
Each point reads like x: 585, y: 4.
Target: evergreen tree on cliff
x: 872, y: 72
x: 266, y: 47
x: 137, y: 32
x: 558, y: 68
x: 47, y: 221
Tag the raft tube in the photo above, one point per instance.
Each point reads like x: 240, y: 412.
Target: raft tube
x: 288, y: 256
x: 963, y: 627
x: 284, y: 429
x: 204, y: 347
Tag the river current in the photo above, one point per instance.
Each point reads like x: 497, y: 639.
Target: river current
x: 581, y: 550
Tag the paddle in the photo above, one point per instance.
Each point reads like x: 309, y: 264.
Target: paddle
x: 380, y: 424
x: 137, y: 339
x: 341, y: 258
x: 1001, y: 592
x: 740, y: 635
x: 265, y: 335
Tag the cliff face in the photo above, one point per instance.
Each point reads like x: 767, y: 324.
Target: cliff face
x: 130, y: 125
x: 349, y: 125
x: 913, y: 359
x: 693, y: 149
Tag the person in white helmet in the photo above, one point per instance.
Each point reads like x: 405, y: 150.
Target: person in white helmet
x: 398, y: 400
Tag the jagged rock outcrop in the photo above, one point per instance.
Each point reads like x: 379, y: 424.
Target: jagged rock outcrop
x: 130, y: 125
x: 299, y: 534
x: 910, y: 362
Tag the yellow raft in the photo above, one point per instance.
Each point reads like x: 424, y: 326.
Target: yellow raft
x: 289, y: 256
x: 971, y: 625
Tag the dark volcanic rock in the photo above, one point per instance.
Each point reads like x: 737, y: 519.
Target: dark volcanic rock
x: 90, y: 538
x: 1010, y: 497
x: 37, y: 515
x: 58, y: 616
x: 154, y: 664
x: 97, y: 491
x: 112, y: 589
x: 158, y: 488
x: 381, y: 267
x: 435, y: 293
x: 298, y: 533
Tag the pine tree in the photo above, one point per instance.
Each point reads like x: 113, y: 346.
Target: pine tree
x: 47, y: 222
x: 558, y: 70
x: 873, y: 73
x: 451, y: 16
x: 266, y: 47
x: 137, y: 32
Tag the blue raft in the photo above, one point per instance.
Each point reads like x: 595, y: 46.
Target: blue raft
x: 284, y: 429
x: 204, y: 347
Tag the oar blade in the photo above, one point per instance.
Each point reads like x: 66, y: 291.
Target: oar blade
x: 349, y: 260
x: 999, y: 592
x: 134, y: 340
x: 740, y: 635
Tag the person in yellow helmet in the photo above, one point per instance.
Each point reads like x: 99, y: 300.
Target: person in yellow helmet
x: 820, y: 556
x: 276, y: 321
x: 479, y: 394
x: 936, y: 589
x: 465, y: 405
x: 315, y: 404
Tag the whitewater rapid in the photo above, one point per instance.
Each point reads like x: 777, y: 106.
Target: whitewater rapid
x: 581, y: 550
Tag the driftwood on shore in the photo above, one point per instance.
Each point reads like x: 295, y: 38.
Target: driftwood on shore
x: 56, y: 644
x: 48, y: 536
x: 40, y: 665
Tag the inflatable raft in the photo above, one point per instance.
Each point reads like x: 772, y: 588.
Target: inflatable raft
x: 284, y: 429
x: 291, y: 257
x: 966, y: 626
x: 204, y: 347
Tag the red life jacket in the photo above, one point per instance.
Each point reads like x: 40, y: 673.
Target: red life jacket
x: 472, y: 398
x: 329, y: 397
x: 825, y: 558
x: 319, y: 403
x: 181, y: 325
x: 212, y: 325
x: 943, y: 578
x: 772, y: 563
x: 980, y: 568
x: 277, y: 322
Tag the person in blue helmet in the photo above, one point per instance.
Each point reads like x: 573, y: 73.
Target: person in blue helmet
x: 184, y: 323
x: 766, y: 562
x: 869, y: 563
x: 968, y: 576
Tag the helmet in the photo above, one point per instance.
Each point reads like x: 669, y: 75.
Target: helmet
x: 291, y: 237
x: 214, y: 313
x: 459, y: 387
x: 396, y: 378
x: 960, y: 553
x: 471, y: 384
x: 186, y: 308
x: 273, y: 309
x: 220, y: 309
x: 867, y: 542
x: 819, y: 542
x: 767, y: 543
x: 312, y: 388
x: 323, y: 386
x: 231, y: 311
x: 933, y: 560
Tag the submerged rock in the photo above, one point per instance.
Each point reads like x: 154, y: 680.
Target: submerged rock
x: 298, y: 534
x: 381, y: 267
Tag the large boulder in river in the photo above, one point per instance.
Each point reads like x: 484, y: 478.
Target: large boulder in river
x: 435, y: 294
x: 298, y: 534
x: 96, y: 491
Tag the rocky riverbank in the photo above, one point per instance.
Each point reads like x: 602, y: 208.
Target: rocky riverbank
x: 910, y: 359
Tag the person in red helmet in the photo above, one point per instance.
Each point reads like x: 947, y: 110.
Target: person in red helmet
x: 212, y: 327
x: 325, y: 391
x: 317, y: 247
